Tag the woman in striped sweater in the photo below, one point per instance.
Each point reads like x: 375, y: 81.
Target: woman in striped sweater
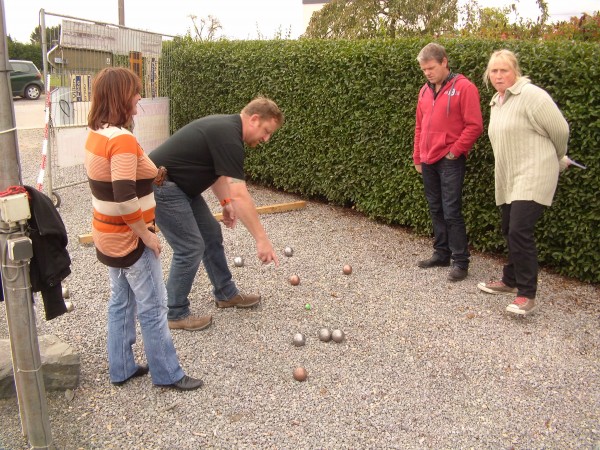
x: 120, y: 177
x: 529, y: 138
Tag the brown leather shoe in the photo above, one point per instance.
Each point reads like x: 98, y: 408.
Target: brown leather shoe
x: 239, y: 301
x: 191, y: 323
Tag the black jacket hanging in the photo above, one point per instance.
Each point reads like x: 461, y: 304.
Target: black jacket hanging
x: 51, y: 261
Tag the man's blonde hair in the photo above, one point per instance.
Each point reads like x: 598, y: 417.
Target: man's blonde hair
x: 265, y: 108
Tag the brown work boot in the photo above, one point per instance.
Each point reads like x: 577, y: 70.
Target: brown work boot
x: 239, y: 301
x: 191, y: 323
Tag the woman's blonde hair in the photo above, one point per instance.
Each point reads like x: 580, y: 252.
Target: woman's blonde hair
x: 113, y: 90
x: 508, y: 57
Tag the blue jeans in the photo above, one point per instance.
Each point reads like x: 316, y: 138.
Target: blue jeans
x: 518, y: 228
x: 443, y: 183
x: 195, y: 236
x: 140, y: 287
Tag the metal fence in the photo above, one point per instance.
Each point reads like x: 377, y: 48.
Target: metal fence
x: 75, y: 49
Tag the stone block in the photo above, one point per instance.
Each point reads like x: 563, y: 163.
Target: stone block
x: 60, y: 366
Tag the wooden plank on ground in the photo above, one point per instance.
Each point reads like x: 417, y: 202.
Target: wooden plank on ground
x: 269, y: 209
x: 279, y: 207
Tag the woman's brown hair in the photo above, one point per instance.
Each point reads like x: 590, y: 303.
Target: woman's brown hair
x: 113, y: 90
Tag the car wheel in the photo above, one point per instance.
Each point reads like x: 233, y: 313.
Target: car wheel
x: 32, y: 92
x: 56, y: 200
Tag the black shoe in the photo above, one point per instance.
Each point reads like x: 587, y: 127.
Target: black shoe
x: 140, y: 372
x: 434, y: 261
x: 185, y: 384
x: 457, y: 274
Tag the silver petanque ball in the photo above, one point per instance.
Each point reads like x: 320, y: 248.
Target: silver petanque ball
x: 238, y: 261
x: 337, y: 336
x: 288, y: 251
x: 299, y: 340
x: 70, y: 306
x: 324, y: 334
x: 65, y: 292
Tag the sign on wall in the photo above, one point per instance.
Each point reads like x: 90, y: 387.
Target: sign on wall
x: 81, y: 86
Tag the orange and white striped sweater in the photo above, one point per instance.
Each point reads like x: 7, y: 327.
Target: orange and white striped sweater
x: 120, y: 176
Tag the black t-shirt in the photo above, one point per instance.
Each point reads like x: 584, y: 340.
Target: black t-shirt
x: 202, y: 151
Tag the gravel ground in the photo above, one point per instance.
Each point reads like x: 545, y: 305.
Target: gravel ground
x: 426, y: 364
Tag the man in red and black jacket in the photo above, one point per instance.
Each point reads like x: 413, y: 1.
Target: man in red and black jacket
x: 448, y: 122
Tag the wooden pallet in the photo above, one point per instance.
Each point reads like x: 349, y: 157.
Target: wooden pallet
x: 269, y: 209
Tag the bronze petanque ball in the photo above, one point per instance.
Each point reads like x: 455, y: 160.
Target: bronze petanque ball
x: 299, y: 340
x: 300, y: 374
x: 238, y: 261
x: 288, y: 251
x: 294, y: 280
x: 347, y: 269
x: 337, y: 336
x: 324, y: 334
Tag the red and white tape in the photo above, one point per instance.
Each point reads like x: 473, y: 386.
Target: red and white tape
x: 42, y: 174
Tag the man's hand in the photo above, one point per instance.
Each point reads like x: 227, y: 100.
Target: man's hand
x: 418, y: 167
x: 229, y: 217
x: 265, y: 252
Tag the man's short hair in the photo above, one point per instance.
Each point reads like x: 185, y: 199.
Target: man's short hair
x: 432, y: 51
x: 265, y: 108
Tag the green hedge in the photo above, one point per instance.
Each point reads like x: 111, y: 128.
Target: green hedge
x: 348, y: 137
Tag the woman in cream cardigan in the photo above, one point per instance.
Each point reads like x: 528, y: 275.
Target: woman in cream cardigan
x: 529, y: 138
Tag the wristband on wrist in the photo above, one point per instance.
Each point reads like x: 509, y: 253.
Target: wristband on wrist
x: 225, y: 201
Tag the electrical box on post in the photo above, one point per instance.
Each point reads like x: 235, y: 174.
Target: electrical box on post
x: 20, y: 249
x: 14, y: 208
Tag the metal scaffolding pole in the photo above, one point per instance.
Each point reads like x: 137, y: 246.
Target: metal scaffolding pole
x: 15, y: 253
x: 27, y: 363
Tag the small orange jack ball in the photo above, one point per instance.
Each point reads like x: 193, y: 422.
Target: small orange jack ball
x: 300, y: 374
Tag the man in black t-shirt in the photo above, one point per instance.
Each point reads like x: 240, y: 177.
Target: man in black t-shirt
x: 209, y: 153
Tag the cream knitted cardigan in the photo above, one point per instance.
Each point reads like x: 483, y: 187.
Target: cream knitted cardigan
x: 529, y: 137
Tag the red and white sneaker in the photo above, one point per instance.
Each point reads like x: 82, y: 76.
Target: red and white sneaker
x: 522, y: 306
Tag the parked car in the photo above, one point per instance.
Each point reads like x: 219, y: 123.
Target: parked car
x: 25, y: 79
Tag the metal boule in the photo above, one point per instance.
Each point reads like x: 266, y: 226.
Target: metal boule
x: 238, y: 261
x: 65, y: 292
x: 288, y: 251
x: 294, y: 280
x: 300, y: 374
x: 70, y: 306
x: 324, y: 334
x: 347, y: 269
x: 299, y: 340
x: 337, y: 336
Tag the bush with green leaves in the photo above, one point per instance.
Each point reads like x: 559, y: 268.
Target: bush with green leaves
x: 350, y: 116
